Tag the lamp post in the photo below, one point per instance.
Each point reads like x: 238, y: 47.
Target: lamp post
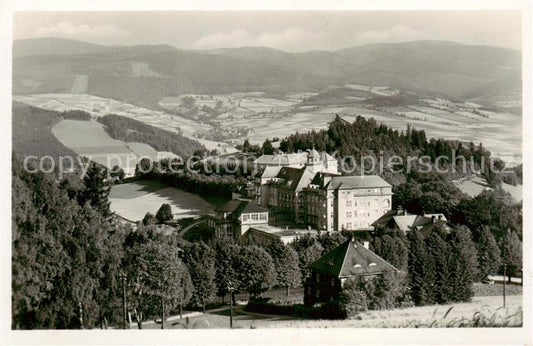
x: 231, y: 288
x: 124, y: 312
x: 504, y: 272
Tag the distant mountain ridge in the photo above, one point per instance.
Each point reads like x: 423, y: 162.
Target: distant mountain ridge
x: 145, y: 74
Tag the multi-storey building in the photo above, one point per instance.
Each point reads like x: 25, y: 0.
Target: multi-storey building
x: 335, y: 203
x: 276, y: 168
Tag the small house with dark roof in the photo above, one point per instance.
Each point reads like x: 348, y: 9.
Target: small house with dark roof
x: 233, y: 218
x: 400, y: 219
x: 348, y: 260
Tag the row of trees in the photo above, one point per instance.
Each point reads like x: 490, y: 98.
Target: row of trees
x: 192, y: 181
x: 442, y: 264
x: 130, y: 130
x: 66, y: 253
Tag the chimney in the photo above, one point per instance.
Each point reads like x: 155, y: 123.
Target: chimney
x: 399, y: 210
x: 405, y: 212
x: 366, y: 244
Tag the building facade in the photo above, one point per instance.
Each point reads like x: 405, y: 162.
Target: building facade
x: 335, y: 203
x: 235, y: 217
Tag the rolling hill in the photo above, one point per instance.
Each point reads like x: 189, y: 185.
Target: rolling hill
x: 143, y: 75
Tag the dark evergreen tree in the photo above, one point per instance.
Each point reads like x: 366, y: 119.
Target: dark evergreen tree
x: 463, y: 264
x: 164, y: 213
x: 421, y: 271
x: 489, y: 258
x: 391, y: 245
x: 96, y: 192
x: 439, y: 251
x: 149, y: 219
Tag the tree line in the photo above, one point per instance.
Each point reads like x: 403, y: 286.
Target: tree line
x: 131, y: 130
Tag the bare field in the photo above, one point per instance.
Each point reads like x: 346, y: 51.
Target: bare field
x: 89, y: 139
x: 133, y: 200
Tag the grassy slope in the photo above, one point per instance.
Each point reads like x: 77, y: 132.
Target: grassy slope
x: 32, y: 133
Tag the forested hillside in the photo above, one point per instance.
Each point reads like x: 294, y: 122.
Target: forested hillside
x: 32, y: 133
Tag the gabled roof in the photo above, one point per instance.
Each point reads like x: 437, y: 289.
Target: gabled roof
x: 239, y: 207
x: 351, y: 259
x: 295, y: 178
x: 357, y: 182
x: 430, y: 227
x: 321, y: 179
x: 385, y: 218
x: 404, y: 222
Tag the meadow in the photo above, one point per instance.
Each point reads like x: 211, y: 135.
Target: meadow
x: 133, y: 200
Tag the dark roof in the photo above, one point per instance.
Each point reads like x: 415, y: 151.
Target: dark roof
x: 351, y: 259
x: 240, y: 207
x: 295, y: 178
x: 357, y: 182
x: 385, y: 218
x: 430, y: 227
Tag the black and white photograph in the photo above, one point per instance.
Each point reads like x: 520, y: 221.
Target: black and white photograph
x: 248, y: 174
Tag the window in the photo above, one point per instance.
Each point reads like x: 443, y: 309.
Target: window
x: 263, y: 216
x: 255, y: 217
x: 348, y: 204
x: 245, y: 217
x: 369, y: 204
x: 349, y: 225
x: 348, y: 214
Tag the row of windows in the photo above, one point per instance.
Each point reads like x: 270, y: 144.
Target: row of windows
x: 255, y: 217
x: 360, y: 191
x: 350, y: 203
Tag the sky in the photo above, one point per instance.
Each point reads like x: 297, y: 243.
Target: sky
x: 288, y: 31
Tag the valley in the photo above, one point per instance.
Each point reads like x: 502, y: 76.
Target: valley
x: 256, y: 116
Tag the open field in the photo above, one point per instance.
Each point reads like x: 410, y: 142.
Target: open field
x: 488, y: 310
x: 89, y: 139
x: 133, y: 200
x: 476, y: 185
